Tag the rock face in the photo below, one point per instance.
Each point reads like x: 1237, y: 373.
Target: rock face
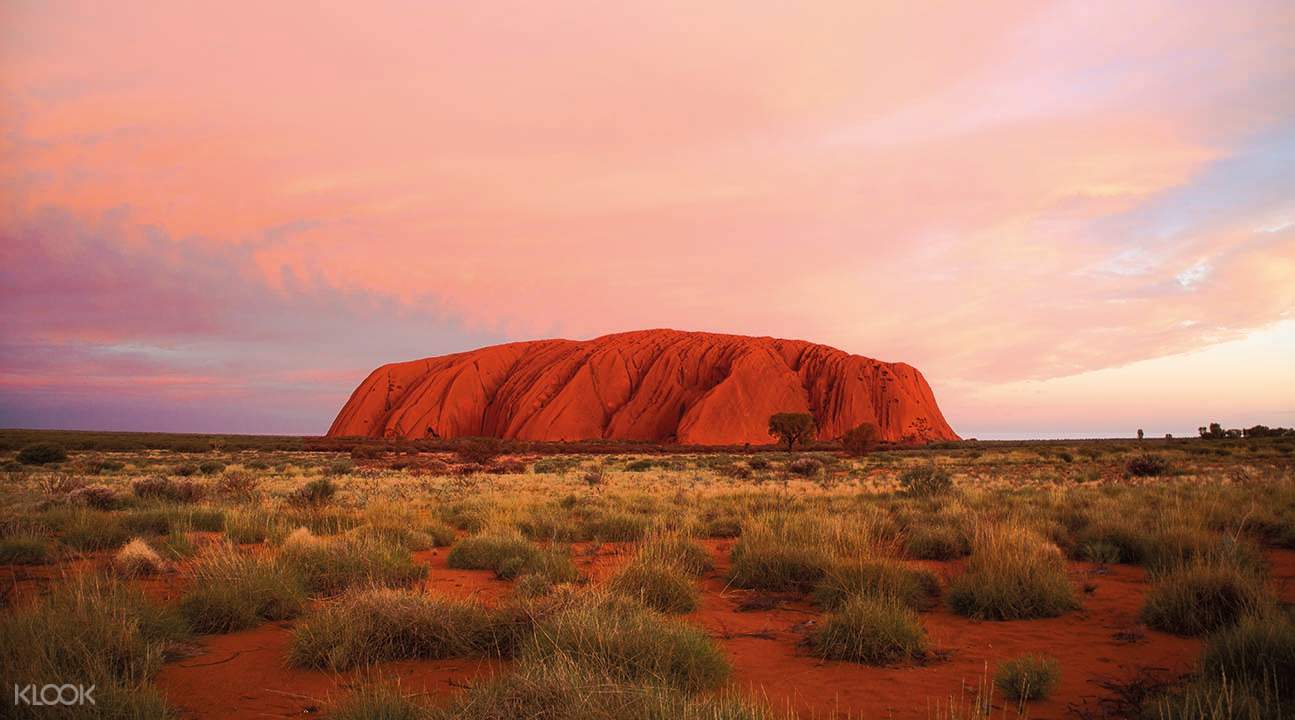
x: 658, y: 385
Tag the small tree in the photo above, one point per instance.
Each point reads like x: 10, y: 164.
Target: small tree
x: 791, y: 428
x: 1139, y: 433
x: 861, y: 440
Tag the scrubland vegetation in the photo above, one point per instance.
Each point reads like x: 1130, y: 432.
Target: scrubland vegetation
x: 610, y: 563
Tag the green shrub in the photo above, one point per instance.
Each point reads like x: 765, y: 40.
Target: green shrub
x: 1201, y: 597
x: 630, y: 643
x: 658, y: 585
x: 1012, y: 574
x: 97, y: 496
x: 918, y: 589
x: 370, y: 625
x: 926, y: 480
x: 1028, y: 677
x: 871, y: 630
x: 42, y: 454
x: 232, y: 590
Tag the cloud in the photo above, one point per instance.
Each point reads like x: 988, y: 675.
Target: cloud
x: 997, y: 192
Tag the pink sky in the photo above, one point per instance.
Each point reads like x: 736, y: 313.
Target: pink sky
x: 1075, y: 219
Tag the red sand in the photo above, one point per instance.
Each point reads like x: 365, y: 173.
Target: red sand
x: 245, y: 674
x: 656, y: 385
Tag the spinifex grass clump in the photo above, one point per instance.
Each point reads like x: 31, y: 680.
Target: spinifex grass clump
x: 871, y: 630
x: 844, y: 580
x: 623, y: 640
x: 1012, y: 574
x: 369, y: 625
x: 660, y: 585
x: 679, y: 550
x: 1028, y: 677
x: 1203, y: 595
x: 136, y: 559
x: 560, y: 688
x: 1258, y: 652
x: 380, y: 701
x: 331, y: 565
x: 510, y: 556
x: 26, y: 548
x: 934, y: 542
x: 92, y: 631
x: 792, y: 552
x: 232, y: 590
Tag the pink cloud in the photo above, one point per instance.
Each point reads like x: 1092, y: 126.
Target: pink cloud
x: 995, y: 192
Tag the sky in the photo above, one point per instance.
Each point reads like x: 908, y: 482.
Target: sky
x: 1075, y: 218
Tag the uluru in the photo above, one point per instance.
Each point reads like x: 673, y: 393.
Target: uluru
x: 690, y: 388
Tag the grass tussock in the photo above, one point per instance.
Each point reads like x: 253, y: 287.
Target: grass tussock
x: 330, y: 565
x: 95, y: 631
x: 369, y: 625
x: 511, y: 556
x: 380, y: 701
x: 917, y: 589
x: 233, y: 590
x: 26, y: 548
x: 1028, y: 677
x: 626, y: 641
x: 561, y: 688
x: 1203, y: 596
x: 873, y: 631
x: 662, y: 586
x: 1012, y: 574
x: 137, y: 559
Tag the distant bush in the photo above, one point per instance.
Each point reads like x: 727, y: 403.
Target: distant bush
x: 791, y: 428
x: 99, y: 497
x: 185, y: 470
x: 316, y: 493
x: 926, y: 480
x: 805, y: 467
x: 1028, y: 677
x: 478, y: 450
x: 160, y: 487
x: 861, y: 440
x: 210, y: 467
x: 42, y: 454
x: 1147, y: 465
x: 238, y: 484
x: 873, y: 631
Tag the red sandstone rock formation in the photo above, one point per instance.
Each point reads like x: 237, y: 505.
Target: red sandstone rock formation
x: 660, y: 385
